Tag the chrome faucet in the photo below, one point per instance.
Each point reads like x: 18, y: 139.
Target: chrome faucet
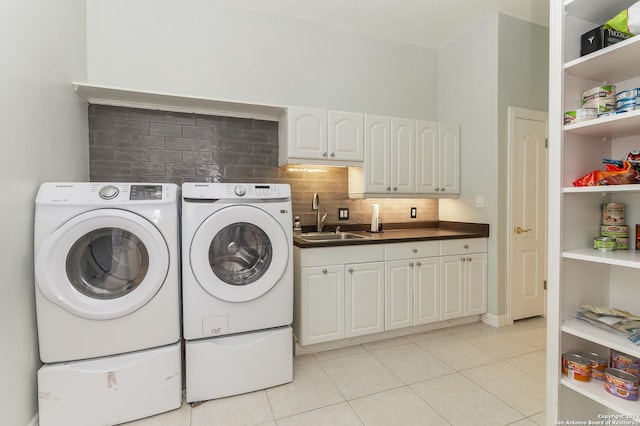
x: 315, y: 206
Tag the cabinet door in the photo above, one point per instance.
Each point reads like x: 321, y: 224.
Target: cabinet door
x: 426, y: 294
x: 377, y: 151
x: 307, y: 133
x: 452, y: 291
x: 403, y: 154
x: 475, y: 284
x: 345, y: 138
x: 449, y: 159
x: 322, y: 302
x: 398, y: 294
x: 364, y: 298
x: 427, y: 157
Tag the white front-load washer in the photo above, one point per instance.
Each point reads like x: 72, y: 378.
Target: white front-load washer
x: 237, y: 287
x: 107, y: 291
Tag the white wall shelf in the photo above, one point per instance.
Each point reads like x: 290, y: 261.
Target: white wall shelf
x: 595, y: 391
x: 598, y: 65
x: 626, y: 258
x: 613, y: 126
x: 584, y: 330
x: 115, y: 96
x: 603, y: 189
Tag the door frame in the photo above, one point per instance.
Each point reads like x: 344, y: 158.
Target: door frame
x: 514, y: 114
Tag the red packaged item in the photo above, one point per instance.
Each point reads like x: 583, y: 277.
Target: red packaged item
x: 614, y: 175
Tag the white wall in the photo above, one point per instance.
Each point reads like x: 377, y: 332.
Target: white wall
x: 500, y: 62
x: 468, y: 87
x: 44, y: 137
x: 203, y: 48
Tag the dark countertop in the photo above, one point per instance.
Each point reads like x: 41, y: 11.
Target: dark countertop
x: 396, y: 233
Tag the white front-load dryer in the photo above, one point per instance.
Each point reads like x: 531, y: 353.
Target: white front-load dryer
x: 237, y: 246
x: 237, y: 288
x: 107, y: 302
x: 106, y: 268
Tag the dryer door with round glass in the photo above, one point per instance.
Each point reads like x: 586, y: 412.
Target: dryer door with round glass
x: 102, y: 264
x: 239, y: 253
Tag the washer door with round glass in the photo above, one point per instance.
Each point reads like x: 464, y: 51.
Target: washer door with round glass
x: 239, y: 253
x: 102, y: 264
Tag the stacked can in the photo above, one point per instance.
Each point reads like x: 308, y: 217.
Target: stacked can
x: 624, y: 362
x: 628, y: 100
x: 601, y: 98
x: 614, y: 234
x: 598, y: 365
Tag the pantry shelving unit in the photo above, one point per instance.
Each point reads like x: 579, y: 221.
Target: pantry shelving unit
x: 578, y: 274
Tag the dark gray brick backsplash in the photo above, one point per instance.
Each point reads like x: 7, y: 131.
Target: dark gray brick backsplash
x: 180, y: 118
x: 144, y: 141
x: 162, y: 129
x: 131, y: 154
x: 197, y: 157
x: 197, y: 132
x: 147, y: 168
x: 133, y: 127
x: 110, y: 139
x: 166, y: 156
x: 137, y: 145
x: 181, y: 144
x: 148, y: 115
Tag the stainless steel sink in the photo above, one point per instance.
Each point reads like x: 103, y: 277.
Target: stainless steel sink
x: 330, y: 236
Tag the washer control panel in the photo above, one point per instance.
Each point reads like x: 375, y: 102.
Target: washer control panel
x: 231, y: 191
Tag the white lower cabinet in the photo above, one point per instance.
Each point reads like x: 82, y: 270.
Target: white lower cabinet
x: 323, y: 297
x: 343, y: 292
x: 364, y: 298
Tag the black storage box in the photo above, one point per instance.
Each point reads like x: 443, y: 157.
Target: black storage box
x: 598, y: 38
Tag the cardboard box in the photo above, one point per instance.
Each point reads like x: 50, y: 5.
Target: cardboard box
x: 599, y: 38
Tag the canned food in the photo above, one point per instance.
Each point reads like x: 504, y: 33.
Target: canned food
x: 622, y: 243
x: 626, y: 102
x: 624, y: 359
x: 576, y: 367
x: 613, y: 214
x: 621, y: 379
x: 614, y: 231
x: 631, y: 370
x: 629, y: 395
x: 599, y: 92
x: 598, y: 365
x: 626, y: 109
x: 631, y: 93
x: 604, y: 243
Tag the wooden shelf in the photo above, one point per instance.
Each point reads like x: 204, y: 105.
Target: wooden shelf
x: 105, y: 95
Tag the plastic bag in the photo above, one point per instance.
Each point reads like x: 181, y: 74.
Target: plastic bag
x: 627, y: 21
x: 614, y: 175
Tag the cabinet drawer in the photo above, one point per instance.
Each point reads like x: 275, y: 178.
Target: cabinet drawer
x: 462, y: 246
x: 323, y: 256
x: 409, y: 250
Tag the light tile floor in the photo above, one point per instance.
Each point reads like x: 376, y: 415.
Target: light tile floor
x: 466, y: 375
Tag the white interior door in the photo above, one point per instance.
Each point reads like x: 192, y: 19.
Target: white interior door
x: 528, y: 195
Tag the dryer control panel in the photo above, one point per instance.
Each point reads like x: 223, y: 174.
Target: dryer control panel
x: 235, y: 191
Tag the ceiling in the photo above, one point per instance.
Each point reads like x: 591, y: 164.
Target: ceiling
x: 426, y: 23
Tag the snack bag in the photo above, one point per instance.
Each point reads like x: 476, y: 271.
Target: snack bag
x: 614, y: 175
x: 627, y: 21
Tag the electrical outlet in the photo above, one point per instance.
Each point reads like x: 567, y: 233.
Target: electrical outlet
x: 414, y: 212
x: 343, y: 213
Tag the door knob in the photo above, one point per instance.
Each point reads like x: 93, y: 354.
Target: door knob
x: 519, y: 230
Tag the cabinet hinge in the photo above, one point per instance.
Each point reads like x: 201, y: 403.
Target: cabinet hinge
x: 545, y: 284
x: 546, y: 143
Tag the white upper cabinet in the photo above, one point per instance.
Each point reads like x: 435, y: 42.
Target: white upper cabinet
x: 345, y: 136
x: 320, y: 137
x: 449, y: 159
x: 403, y: 154
x: 438, y: 158
x: 407, y: 158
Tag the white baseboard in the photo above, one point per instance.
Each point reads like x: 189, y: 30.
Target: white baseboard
x: 495, y: 320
